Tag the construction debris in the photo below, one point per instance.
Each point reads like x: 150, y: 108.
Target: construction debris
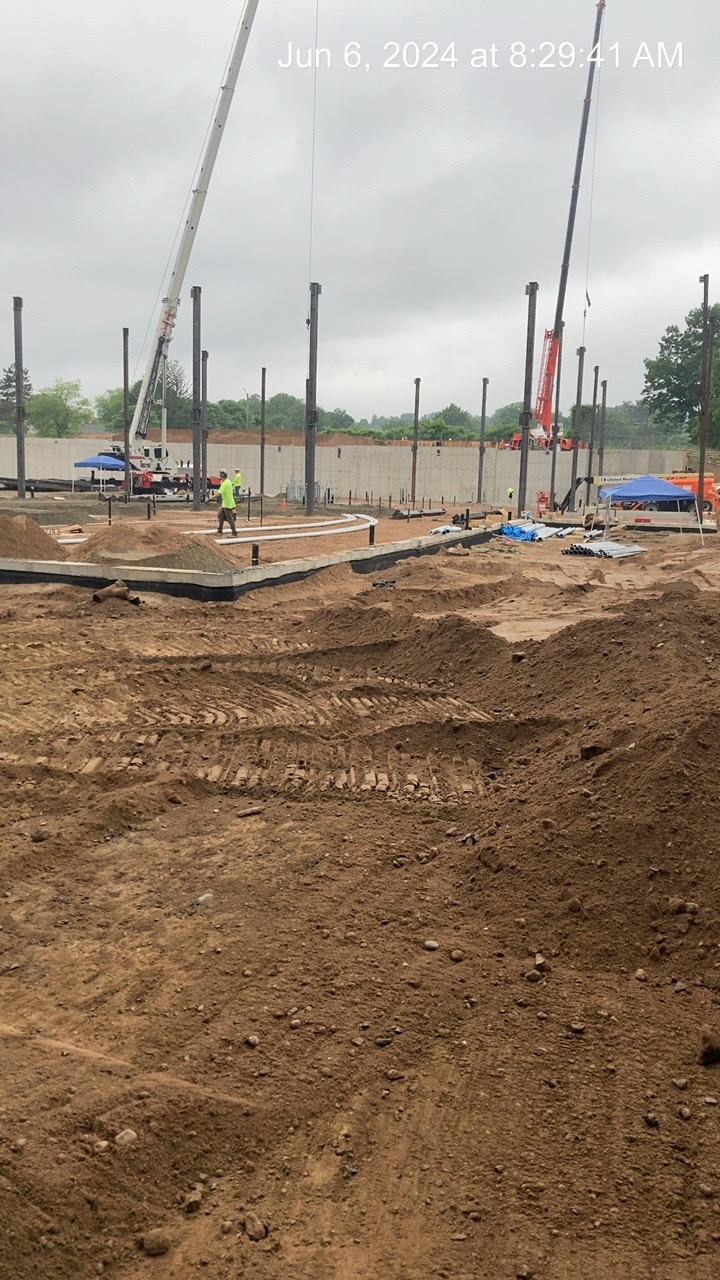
x: 115, y: 591
x: 604, y: 550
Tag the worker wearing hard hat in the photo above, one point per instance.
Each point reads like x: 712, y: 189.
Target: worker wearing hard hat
x: 238, y: 483
x: 226, y: 504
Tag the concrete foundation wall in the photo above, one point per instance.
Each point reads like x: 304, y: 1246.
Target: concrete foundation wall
x: 447, y: 473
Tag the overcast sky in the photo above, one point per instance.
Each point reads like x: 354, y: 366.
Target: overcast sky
x: 439, y: 191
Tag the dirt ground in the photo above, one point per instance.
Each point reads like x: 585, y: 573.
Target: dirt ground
x: 354, y: 932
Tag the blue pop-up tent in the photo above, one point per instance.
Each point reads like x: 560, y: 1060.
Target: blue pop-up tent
x: 102, y: 462
x: 648, y: 489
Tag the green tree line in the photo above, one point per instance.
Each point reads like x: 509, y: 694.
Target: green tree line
x: 667, y: 413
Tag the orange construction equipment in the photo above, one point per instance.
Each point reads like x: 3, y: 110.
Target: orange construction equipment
x: 548, y: 367
x: 689, y: 480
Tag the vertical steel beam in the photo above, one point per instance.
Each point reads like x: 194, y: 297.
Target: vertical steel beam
x: 481, y: 449
x: 126, y: 413
x: 19, y: 397
x: 577, y: 425
x: 591, y: 447
x: 195, y: 293
x: 531, y: 291
x: 311, y: 409
x: 416, y: 434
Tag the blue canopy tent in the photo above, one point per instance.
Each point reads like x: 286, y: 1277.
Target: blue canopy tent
x: 101, y: 462
x: 648, y: 489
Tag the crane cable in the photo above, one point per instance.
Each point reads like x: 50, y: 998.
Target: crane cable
x: 592, y: 199
x: 313, y: 150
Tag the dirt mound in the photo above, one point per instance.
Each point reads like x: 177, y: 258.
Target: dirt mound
x: 355, y: 625
x: 128, y: 538
x: 21, y: 538
x: 616, y: 660
x: 193, y: 554
x: 449, y: 651
x: 608, y: 819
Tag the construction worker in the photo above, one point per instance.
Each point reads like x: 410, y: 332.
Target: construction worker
x: 226, y: 504
x: 238, y: 483
x: 510, y: 494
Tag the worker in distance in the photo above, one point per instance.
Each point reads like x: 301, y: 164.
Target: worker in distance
x: 226, y: 504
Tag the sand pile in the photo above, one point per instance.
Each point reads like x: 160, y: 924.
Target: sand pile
x: 128, y: 540
x: 22, y: 539
x: 355, y: 625
x: 192, y: 554
x: 159, y: 546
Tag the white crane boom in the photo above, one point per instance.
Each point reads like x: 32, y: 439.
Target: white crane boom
x: 170, y: 304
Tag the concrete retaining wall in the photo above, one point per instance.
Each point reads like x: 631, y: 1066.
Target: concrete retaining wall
x: 448, y: 472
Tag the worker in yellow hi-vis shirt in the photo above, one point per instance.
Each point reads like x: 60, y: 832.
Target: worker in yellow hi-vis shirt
x: 238, y: 484
x: 226, y: 504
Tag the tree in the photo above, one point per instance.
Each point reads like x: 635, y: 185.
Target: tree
x: 7, y: 398
x: 110, y: 408
x: 227, y: 415
x: 586, y: 412
x: 632, y: 425
x: 505, y: 421
x: 178, y: 400
x: 59, y: 410
x: 454, y: 416
x: 177, y: 381
x: 285, y: 412
x: 673, y: 379
x: 334, y: 420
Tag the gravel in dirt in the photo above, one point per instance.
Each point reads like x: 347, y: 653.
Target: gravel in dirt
x: 257, y: 816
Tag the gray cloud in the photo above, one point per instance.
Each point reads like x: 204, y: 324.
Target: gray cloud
x: 439, y: 192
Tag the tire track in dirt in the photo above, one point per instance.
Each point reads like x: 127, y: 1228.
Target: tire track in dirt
x: 290, y: 740
x: 108, y: 1062
x: 290, y: 727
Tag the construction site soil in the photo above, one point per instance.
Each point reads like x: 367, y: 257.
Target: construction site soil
x: 354, y: 932
x: 22, y: 538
